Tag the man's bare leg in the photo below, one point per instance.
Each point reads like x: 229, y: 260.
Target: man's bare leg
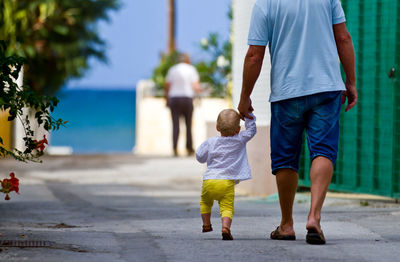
x: 320, y: 177
x: 286, y: 180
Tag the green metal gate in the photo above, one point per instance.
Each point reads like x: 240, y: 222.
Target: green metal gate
x: 369, y: 146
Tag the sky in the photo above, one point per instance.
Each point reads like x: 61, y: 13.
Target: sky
x: 136, y: 35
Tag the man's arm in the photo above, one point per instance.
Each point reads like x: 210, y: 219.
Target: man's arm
x: 347, y: 58
x: 196, y: 87
x: 251, y: 70
x: 166, y: 89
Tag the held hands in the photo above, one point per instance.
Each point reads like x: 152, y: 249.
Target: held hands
x: 351, y: 94
x: 245, y: 108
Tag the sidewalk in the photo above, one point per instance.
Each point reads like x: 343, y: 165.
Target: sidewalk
x: 132, y: 208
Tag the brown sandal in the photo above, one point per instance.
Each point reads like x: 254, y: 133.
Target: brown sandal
x: 278, y: 236
x: 315, y: 238
x: 226, y: 235
x: 207, y: 228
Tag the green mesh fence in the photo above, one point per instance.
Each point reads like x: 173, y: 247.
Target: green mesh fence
x: 369, y: 146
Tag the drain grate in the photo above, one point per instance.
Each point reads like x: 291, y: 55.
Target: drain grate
x: 24, y: 243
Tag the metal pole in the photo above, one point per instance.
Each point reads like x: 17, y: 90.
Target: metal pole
x: 171, y: 26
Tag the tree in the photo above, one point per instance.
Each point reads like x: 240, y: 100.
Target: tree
x: 57, y: 37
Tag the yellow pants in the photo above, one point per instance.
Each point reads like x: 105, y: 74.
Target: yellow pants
x: 221, y: 190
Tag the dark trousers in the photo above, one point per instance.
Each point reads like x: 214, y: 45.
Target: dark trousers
x: 181, y: 106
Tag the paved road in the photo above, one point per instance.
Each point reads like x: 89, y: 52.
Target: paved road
x: 127, y: 208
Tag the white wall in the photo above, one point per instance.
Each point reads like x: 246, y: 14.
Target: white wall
x: 241, y: 21
x: 258, y: 149
x: 154, y: 124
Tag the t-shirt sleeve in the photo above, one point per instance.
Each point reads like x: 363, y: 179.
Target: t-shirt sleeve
x: 337, y: 12
x: 251, y: 129
x: 258, y: 32
x: 202, y: 152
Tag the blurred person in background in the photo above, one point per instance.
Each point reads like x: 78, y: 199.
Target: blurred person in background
x: 182, y: 83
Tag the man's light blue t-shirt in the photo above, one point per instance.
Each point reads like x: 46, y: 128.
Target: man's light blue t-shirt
x: 304, y: 56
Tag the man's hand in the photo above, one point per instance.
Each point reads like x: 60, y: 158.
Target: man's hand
x: 351, y: 94
x: 251, y: 71
x: 245, y: 108
x: 196, y: 87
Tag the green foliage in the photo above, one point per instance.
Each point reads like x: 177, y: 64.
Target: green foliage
x: 57, y: 37
x: 216, y: 72
x: 15, y: 99
x: 160, y: 72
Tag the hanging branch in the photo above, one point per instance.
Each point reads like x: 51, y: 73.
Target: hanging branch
x: 14, y: 99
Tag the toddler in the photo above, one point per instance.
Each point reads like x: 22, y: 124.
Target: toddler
x: 227, y: 165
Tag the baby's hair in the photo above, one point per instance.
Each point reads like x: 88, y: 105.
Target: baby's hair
x: 228, y: 122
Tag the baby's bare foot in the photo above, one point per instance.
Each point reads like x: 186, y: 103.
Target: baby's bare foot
x: 207, y: 228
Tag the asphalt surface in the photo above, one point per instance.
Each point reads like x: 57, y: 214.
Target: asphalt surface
x: 130, y: 208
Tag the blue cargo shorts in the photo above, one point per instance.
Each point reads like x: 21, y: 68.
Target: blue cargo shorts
x: 318, y: 115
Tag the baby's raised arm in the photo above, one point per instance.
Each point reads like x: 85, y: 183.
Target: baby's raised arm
x: 251, y: 128
x: 202, y: 152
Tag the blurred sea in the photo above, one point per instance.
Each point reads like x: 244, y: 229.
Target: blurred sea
x: 99, y: 120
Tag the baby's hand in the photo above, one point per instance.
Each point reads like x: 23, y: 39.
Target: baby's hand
x: 253, y: 117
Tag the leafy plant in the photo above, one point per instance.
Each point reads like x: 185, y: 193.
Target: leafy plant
x: 14, y: 99
x: 58, y: 37
x: 160, y: 72
x: 216, y: 72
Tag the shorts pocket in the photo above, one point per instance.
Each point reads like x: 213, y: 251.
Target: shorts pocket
x: 286, y: 112
x: 328, y: 105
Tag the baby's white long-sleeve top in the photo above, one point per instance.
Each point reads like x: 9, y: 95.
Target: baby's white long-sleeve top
x: 226, y: 156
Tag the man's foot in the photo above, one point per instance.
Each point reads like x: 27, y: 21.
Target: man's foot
x: 226, y: 234
x: 175, y: 152
x: 277, y: 235
x: 207, y: 228
x: 314, y: 237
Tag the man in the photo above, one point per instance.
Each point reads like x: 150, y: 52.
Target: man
x: 182, y: 82
x: 305, y: 38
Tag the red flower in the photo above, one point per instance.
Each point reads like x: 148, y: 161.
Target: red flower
x: 40, y: 144
x: 9, y: 184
